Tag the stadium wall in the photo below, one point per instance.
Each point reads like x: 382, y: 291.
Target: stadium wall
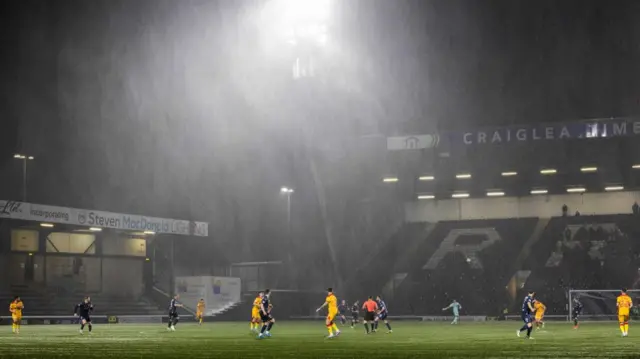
x: 519, y: 207
x: 123, y: 276
x: 76, y: 273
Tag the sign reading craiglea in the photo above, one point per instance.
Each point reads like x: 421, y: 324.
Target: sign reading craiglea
x: 581, y: 129
x: 90, y: 218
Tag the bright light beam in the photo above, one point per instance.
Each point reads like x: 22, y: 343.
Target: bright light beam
x: 298, y: 20
x: 295, y: 11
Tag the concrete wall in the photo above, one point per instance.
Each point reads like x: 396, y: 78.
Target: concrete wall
x: 123, y: 276
x: 76, y: 273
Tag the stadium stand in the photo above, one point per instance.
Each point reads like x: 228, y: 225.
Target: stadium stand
x: 379, y: 269
x: 420, y: 268
x: 584, y: 252
x: 453, y: 263
x: 52, y: 301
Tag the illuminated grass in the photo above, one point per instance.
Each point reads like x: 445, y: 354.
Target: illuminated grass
x: 306, y: 340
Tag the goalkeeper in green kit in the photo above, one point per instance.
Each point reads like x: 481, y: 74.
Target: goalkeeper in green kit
x: 455, y: 307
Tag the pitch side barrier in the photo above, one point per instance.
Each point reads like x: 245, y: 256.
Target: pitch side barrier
x: 96, y: 319
x: 419, y: 318
x: 158, y: 319
x: 582, y: 318
x: 549, y: 318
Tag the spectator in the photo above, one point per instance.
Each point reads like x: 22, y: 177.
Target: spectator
x: 505, y: 312
x: 577, y: 213
x: 567, y: 234
x: 635, y: 208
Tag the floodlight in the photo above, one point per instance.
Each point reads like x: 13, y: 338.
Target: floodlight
x: 613, y: 188
x: 296, y: 11
x: 539, y: 191
x: 460, y: 195
x: 576, y: 190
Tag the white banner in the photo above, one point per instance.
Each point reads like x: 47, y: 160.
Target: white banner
x: 219, y: 293
x: 412, y: 142
x: 90, y: 218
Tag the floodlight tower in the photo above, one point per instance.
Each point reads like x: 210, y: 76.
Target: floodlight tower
x: 297, y: 32
x: 24, y: 158
x: 288, y: 192
x: 306, y: 23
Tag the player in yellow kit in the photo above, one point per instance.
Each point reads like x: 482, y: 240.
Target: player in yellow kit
x: 16, y: 308
x: 255, y: 313
x: 624, y: 304
x: 331, y: 302
x: 200, y: 307
x: 540, y: 309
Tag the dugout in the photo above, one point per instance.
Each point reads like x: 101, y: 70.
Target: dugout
x: 83, y: 251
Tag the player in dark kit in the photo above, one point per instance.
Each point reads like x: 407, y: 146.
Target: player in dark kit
x: 575, y: 312
x: 355, y: 310
x: 265, y: 315
x: 83, y: 310
x: 342, y: 310
x: 382, y: 315
x: 173, y: 313
x: 527, y: 311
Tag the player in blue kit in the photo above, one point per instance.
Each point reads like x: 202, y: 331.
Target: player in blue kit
x: 342, y: 310
x: 173, y: 313
x: 83, y: 310
x: 382, y: 315
x: 527, y: 311
x: 265, y: 315
x: 355, y: 311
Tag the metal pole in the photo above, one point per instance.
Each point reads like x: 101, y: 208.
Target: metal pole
x: 173, y: 273
x: 292, y: 277
x: 24, y: 179
x: 289, y: 215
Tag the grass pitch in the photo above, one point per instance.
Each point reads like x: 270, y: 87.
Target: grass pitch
x: 306, y: 340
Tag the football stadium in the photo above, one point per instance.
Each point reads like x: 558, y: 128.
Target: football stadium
x: 320, y: 179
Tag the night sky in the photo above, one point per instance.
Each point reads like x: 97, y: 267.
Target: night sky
x: 165, y: 107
